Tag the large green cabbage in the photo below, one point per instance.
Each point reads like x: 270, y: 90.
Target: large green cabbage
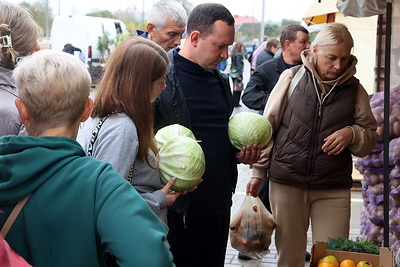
x: 170, y: 131
x: 248, y: 128
x: 181, y: 157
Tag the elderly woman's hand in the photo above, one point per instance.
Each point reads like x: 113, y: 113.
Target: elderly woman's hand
x: 249, y: 154
x: 253, y: 185
x: 338, y: 141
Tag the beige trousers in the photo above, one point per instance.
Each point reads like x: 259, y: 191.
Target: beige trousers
x: 294, y: 208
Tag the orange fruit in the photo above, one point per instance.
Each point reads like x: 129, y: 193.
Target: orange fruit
x: 347, y: 263
x: 326, y: 264
x: 329, y: 259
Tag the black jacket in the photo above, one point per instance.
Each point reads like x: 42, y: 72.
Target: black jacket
x: 171, y: 107
x: 262, y: 82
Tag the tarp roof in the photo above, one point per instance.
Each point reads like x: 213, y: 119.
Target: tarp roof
x: 319, y: 12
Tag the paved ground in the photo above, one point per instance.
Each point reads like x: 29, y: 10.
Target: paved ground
x: 269, y: 260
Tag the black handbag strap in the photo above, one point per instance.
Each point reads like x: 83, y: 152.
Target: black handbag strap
x: 93, y: 139
x: 13, y: 215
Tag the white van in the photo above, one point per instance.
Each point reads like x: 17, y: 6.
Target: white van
x: 83, y: 32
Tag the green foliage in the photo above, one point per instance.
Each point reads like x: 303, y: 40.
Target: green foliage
x: 128, y: 17
x: 102, y: 14
x: 122, y: 37
x: 42, y: 14
x: 272, y: 30
x: 286, y: 22
x: 360, y: 246
x: 104, y: 44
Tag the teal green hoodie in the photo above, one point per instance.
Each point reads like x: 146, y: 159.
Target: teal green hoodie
x: 78, y: 207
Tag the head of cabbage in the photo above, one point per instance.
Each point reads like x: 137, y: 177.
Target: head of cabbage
x: 181, y: 157
x: 171, y: 131
x: 248, y: 128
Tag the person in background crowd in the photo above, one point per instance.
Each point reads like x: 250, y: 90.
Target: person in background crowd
x: 317, y: 127
x: 294, y: 39
x: 78, y: 206
x: 253, y: 57
x: 123, y: 119
x: 70, y: 49
x: 19, y: 35
x: 236, y: 72
x: 268, y: 53
x: 166, y: 24
x: 199, y: 97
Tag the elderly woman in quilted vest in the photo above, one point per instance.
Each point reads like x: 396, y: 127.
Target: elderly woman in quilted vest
x: 317, y: 126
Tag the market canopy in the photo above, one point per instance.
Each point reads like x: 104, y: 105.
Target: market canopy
x: 321, y: 11
x: 324, y: 11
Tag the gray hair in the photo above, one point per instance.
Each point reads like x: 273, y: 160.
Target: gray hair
x: 24, y: 32
x: 54, y: 86
x: 163, y: 9
x: 332, y: 34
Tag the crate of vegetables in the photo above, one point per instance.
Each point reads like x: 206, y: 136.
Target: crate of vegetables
x: 319, y: 253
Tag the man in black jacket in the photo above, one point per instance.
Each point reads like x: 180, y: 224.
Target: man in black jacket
x: 294, y: 39
x: 198, y: 96
x: 273, y: 45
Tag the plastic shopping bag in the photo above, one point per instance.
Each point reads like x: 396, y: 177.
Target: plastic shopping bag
x: 8, y: 257
x: 251, y: 228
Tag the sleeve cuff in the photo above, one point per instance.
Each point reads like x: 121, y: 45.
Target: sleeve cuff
x: 258, y: 173
x: 354, y: 133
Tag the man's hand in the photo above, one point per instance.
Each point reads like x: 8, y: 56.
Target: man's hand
x: 338, y: 141
x: 249, y: 154
x: 253, y: 185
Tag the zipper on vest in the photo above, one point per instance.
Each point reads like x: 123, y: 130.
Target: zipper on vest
x: 316, y: 132
x: 321, y: 101
x: 314, y: 148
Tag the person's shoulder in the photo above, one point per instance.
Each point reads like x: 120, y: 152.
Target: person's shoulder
x: 269, y: 64
x: 116, y: 125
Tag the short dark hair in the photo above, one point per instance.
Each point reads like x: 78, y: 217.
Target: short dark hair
x: 289, y: 33
x: 272, y: 42
x: 203, y: 16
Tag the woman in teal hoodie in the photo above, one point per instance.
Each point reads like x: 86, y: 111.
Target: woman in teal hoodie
x: 79, y: 206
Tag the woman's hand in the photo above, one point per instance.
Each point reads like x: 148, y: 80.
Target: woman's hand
x: 172, y: 195
x: 253, y: 185
x: 249, y: 154
x: 338, y: 141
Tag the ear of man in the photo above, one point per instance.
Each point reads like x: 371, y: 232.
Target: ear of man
x: 195, y: 38
x: 150, y: 29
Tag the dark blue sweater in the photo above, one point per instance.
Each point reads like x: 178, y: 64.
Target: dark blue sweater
x: 209, y: 114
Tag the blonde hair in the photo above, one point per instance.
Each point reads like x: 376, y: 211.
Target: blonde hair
x: 239, y: 47
x: 17, y: 22
x: 54, y: 86
x: 332, y: 34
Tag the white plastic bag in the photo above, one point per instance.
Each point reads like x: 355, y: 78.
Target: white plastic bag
x: 251, y: 228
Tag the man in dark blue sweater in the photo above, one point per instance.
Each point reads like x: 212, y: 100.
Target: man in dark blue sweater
x: 198, y: 96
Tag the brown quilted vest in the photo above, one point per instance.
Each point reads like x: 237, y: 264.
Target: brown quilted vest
x: 297, y: 158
